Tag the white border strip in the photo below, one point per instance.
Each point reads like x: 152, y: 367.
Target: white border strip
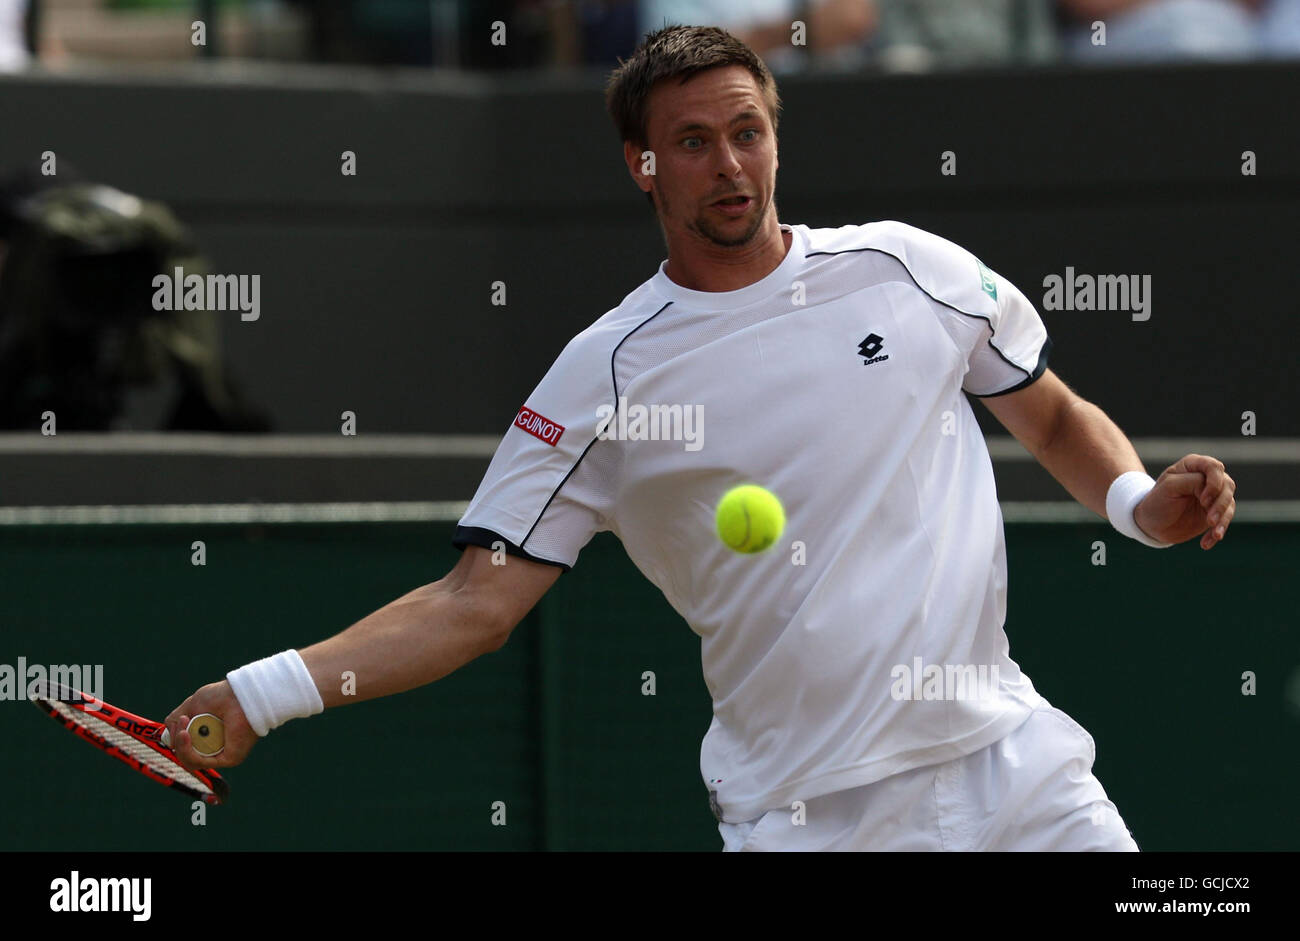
x: 1001, y: 447
x: 1065, y: 511
x: 218, y: 445
x: 1165, y: 451
x: 431, y: 512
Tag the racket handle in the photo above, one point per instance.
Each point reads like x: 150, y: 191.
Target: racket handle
x: 207, y: 735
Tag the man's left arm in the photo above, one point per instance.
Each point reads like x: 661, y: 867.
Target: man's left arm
x: 1085, y: 451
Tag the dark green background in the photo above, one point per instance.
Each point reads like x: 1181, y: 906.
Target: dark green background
x: 1146, y: 652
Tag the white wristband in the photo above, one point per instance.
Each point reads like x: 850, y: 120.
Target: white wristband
x: 1125, y: 493
x: 274, y: 690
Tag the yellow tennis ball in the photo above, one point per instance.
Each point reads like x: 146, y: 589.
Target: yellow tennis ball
x: 750, y: 518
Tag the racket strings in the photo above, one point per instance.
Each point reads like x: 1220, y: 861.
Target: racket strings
x: 155, y: 761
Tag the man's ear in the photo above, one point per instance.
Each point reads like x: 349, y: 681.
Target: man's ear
x: 634, y: 157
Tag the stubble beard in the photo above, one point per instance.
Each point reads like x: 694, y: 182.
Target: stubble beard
x: 704, y: 228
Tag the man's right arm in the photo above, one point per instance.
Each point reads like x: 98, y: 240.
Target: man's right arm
x: 416, y: 639
x: 432, y: 631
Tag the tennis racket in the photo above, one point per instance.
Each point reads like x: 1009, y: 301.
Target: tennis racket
x: 141, y: 743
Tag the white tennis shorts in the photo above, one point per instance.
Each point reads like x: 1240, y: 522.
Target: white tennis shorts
x: 1033, y: 790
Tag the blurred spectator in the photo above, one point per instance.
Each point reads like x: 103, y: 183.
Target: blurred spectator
x: 79, y: 334
x: 15, y: 35
x: 1181, y: 29
x: 380, y: 32
x: 837, y: 33
x: 455, y: 33
x: 593, y: 33
x: 923, y: 34
x: 529, y: 37
x: 609, y: 29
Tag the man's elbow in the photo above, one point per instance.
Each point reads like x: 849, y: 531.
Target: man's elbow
x: 490, y: 600
x: 1057, y: 423
x: 494, y: 623
x: 479, y: 623
x: 496, y: 637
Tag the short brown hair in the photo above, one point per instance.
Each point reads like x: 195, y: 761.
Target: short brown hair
x: 678, y: 52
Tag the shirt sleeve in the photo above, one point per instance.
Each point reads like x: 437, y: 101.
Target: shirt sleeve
x: 1013, y: 348
x: 997, y: 329
x: 533, y: 502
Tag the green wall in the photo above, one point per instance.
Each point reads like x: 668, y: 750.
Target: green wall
x: 1146, y: 652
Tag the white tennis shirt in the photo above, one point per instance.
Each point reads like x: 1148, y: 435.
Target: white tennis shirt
x: 836, y: 382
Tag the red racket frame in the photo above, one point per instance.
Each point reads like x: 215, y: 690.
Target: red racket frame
x: 141, y: 729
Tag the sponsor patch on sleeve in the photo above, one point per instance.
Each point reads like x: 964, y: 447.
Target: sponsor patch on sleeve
x: 539, y: 426
x: 987, y: 281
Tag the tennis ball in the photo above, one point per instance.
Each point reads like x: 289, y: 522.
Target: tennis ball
x: 750, y: 518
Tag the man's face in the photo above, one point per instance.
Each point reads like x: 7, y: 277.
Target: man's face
x: 712, y: 138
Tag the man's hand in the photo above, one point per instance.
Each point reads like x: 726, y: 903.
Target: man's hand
x: 219, y: 700
x: 1191, y: 497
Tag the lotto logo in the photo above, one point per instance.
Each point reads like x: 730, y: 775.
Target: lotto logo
x: 539, y: 426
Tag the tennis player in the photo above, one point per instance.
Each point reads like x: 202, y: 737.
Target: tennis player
x: 832, y: 366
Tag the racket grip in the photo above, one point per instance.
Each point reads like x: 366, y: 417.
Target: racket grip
x: 207, y: 735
